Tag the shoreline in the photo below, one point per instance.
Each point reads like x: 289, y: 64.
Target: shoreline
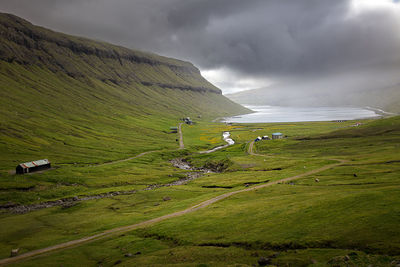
x: 381, y: 112
x: 284, y: 114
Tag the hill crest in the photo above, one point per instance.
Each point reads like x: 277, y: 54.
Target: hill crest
x: 62, y: 95
x: 27, y: 44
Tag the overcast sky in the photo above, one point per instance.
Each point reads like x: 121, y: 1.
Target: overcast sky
x: 241, y: 44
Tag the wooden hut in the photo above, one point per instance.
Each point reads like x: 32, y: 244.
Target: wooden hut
x: 33, y: 166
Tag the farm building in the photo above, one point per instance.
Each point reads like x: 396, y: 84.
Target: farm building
x: 277, y: 136
x: 258, y: 139
x: 265, y: 137
x: 187, y: 120
x: 33, y: 166
x: 173, y: 129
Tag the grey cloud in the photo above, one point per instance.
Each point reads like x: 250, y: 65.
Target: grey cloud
x: 275, y: 38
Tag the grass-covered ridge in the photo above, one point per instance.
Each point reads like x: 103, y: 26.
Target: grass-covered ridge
x: 84, y: 59
x: 74, y: 100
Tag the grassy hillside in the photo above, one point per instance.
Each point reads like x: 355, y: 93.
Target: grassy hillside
x: 84, y: 59
x: 349, y: 218
x: 385, y: 98
x: 74, y: 100
x: 82, y: 103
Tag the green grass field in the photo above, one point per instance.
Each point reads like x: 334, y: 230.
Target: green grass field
x: 349, y: 218
x: 93, y: 108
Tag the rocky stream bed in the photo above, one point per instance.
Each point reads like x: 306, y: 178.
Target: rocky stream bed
x: 71, y: 201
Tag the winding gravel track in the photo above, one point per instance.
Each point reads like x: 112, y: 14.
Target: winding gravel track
x: 251, y: 149
x: 49, y: 204
x: 123, y: 229
x: 128, y: 228
x: 181, y: 144
x: 123, y: 160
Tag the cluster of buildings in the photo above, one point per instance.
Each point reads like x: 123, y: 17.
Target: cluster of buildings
x: 187, y: 120
x: 266, y: 137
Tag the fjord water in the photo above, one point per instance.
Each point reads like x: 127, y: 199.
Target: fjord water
x: 265, y: 114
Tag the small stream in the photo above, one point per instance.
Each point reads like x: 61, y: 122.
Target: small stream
x: 226, y: 137
x: 71, y: 201
x: 64, y: 202
x: 197, y: 172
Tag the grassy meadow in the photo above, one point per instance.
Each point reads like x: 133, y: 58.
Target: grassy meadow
x: 349, y: 218
x: 102, y: 115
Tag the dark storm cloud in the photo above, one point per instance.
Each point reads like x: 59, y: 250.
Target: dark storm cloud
x: 275, y: 38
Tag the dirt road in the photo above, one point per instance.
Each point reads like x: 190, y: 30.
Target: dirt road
x: 181, y: 144
x: 128, y: 228
x: 123, y: 160
x: 251, y: 149
x: 62, y: 202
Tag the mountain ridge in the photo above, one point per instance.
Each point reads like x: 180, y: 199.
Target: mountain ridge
x: 71, y: 99
x: 27, y: 44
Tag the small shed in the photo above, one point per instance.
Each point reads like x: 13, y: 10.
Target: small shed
x: 266, y: 137
x: 258, y: 139
x: 33, y: 166
x: 277, y: 136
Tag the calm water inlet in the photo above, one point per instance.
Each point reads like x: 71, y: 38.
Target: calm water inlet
x: 265, y: 114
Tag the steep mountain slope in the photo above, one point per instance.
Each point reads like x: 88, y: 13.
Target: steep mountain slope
x: 76, y: 100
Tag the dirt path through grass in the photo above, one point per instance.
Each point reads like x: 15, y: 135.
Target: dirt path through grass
x: 251, y: 149
x: 128, y: 228
x: 181, y: 144
x: 123, y: 160
x: 69, y: 201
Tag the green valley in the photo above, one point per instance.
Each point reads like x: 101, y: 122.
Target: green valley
x: 122, y: 193
x: 63, y: 97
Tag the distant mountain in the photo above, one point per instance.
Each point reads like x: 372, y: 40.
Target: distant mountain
x: 59, y: 91
x: 387, y: 98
